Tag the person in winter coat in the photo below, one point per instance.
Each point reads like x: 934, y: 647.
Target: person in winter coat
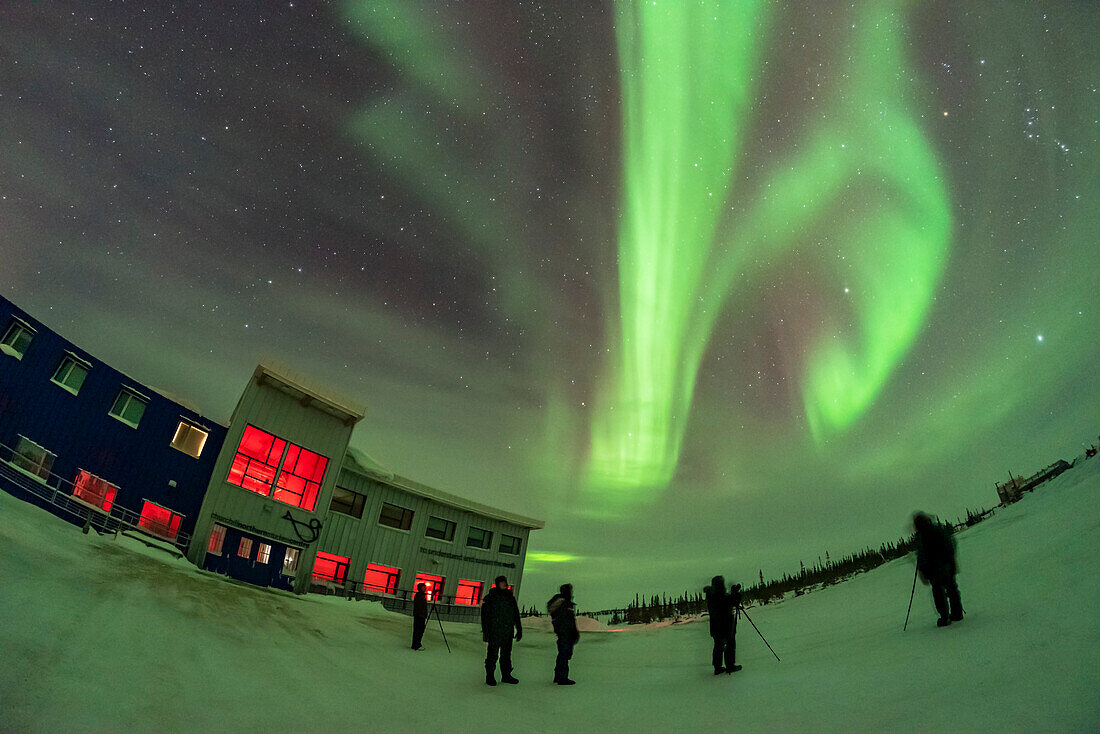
x: 420, y: 615
x: 723, y: 625
x: 499, y: 621
x: 936, y: 564
x: 563, y: 614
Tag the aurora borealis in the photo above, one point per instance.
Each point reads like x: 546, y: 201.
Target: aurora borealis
x: 708, y: 286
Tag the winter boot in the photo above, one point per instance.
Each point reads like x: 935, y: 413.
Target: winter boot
x: 719, y: 671
x: 490, y: 679
x: 508, y: 679
x: 943, y: 621
x: 565, y: 682
x: 734, y: 669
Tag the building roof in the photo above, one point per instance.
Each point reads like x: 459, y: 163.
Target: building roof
x: 279, y: 377
x: 360, y: 463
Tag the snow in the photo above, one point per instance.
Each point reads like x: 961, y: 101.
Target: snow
x: 106, y: 634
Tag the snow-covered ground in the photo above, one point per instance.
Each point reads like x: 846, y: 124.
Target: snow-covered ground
x: 99, y: 634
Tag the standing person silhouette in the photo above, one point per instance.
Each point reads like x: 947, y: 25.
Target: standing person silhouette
x: 499, y: 621
x: 936, y: 563
x: 563, y: 614
x: 720, y: 606
x: 420, y: 616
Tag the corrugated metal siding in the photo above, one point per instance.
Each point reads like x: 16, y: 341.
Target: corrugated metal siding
x: 78, y: 428
x: 365, y: 541
x: 271, y: 410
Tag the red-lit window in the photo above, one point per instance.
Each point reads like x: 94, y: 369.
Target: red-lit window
x: 94, y: 491
x: 469, y: 592
x: 328, y: 567
x: 434, y: 584
x: 300, y: 479
x: 159, y: 520
x: 258, y: 460
x: 381, y: 579
x: 217, y: 539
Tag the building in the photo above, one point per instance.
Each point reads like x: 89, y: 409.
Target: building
x: 276, y: 498
x: 92, y: 444
x: 1012, y: 490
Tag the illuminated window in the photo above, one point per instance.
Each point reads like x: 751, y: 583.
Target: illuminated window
x: 469, y: 593
x: 93, y: 490
x: 189, y: 439
x: 440, y: 528
x: 70, y: 374
x: 244, y: 550
x: 479, y: 538
x: 16, y: 339
x: 381, y: 579
x: 290, y: 562
x: 434, y: 584
x: 395, y: 517
x: 509, y: 544
x: 263, y: 555
x: 347, y: 502
x: 31, y: 457
x: 128, y: 407
x: 217, y: 539
x: 329, y: 567
x: 256, y: 468
x: 159, y: 520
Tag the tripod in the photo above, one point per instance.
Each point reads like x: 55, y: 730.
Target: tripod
x: 440, y: 621
x: 741, y: 610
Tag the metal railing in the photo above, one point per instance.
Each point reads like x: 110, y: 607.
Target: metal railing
x: 55, y: 493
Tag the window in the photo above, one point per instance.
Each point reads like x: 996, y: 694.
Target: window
x: 509, y: 544
x: 328, y: 567
x: 159, y: 520
x: 469, y: 593
x: 395, y: 517
x: 479, y: 538
x: 128, y: 407
x: 16, y: 339
x: 33, y: 458
x: 217, y: 539
x: 440, y: 528
x: 244, y: 550
x: 189, y: 439
x: 347, y: 502
x: 70, y: 374
x: 256, y: 468
x: 381, y: 579
x: 290, y: 562
x: 263, y: 555
x: 434, y: 584
x: 93, y: 490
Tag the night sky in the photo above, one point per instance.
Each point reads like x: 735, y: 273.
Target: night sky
x: 708, y: 287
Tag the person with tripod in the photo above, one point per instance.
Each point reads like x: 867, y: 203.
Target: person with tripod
x: 723, y: 624
x: 936, y: 565
x: 420, y: 616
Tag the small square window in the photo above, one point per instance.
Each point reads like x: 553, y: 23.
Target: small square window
x: 31, y: 457
x: 290, y: 562
x: 159, y: 520
x: 330, y: 567
x: 189, y: 439
x: 217, y: 539
x: 510, y: 544
x: 16, y: 339
x: 440, y: 528
x: 347, y: 502
x: 479, y: 538
x: 244, y: 550
x: 381, y: 579
x: 469, y: 593
x: 128, y: 407
x: 95, y: 491
x: 395, y: 517
x: 70, y: 374
x: 263, y: 555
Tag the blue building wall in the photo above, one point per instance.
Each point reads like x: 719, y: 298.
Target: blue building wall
x: 79, y: 430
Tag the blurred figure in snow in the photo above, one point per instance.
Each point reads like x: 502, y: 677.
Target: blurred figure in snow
x: 723, y: 625
x: 499, y: 619
x: 936, y: 564
x: 420, y: 615
x: 563, y: 614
